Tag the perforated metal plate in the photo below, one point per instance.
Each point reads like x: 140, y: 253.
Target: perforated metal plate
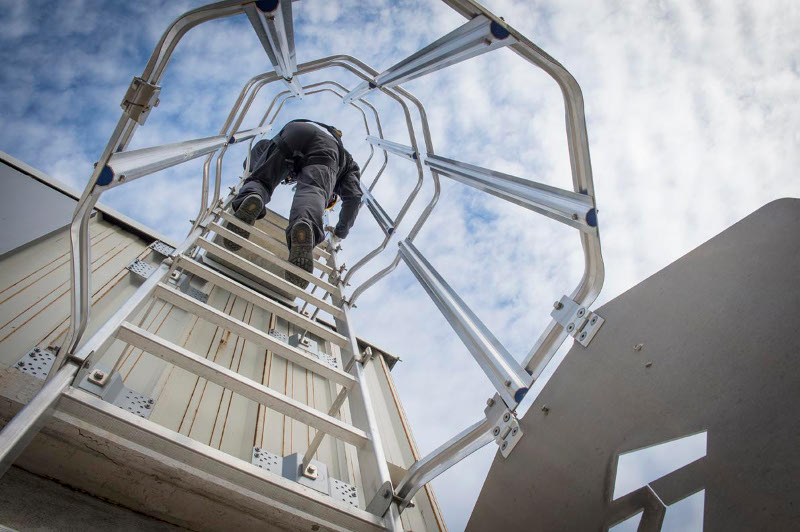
x: 280, y: 336
x: 140, y: 268
x: 134, y: 402
x: 266, y: 460
x: 161, y: 248
x: 197, y: 294
x: 341, y: 491
x: 36, y: 362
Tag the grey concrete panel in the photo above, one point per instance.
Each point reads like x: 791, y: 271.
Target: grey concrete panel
x: 30, y: 502
x: 720, y: 352
x: 28, y: 208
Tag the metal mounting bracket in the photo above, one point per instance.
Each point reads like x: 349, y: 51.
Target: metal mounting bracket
x: 140, y: 268
x: 161, y: 248
x: 140, y: 98
x: 38, y: 361
x: 505, y: 427
x: 383, y: 498
x: 113, y: 391
x: 578, y: 321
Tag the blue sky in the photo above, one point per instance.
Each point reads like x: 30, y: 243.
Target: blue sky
x: 692, y: 117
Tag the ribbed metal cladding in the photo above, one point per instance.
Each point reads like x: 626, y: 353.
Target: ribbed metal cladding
x: 508, y: 377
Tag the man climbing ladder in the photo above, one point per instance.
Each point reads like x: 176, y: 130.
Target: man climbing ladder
x: 312, y: 155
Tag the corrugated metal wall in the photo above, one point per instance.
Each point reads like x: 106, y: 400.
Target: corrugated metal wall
x: 34, y: 307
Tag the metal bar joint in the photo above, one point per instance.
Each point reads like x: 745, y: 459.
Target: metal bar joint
x: 578, y: 321
x: 140, y: 98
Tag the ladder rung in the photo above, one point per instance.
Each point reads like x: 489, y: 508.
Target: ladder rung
x: 248, y: 332
x: 274, y: 259
x: 204, y: 368
x: 264, y: 302
x: 319, y: 253
x: 260, y: 273
x: 393, y: 147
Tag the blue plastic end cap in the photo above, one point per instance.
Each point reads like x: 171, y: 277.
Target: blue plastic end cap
x: 415, y: 156
x: 520, y: 394
x: 372, y: 85
x: 591, y: 218
x: 267, y: 5
x: 232, y: 140
x: 106, y: 176
x: 498, y: 31
x: 390, y: 230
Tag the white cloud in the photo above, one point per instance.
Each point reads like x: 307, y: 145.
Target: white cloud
x: 691, y: 116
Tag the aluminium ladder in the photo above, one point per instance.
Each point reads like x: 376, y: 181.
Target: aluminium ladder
x: 272, y: 23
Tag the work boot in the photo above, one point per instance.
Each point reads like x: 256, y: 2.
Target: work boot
x: 248, y: 211
x: 301, y: 254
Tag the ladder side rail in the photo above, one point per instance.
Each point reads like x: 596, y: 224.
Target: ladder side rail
x: 565, y: 206
x: 375, y: 477
x: 393, y: 147
x: 381, y: 216
x: 478, y: 36
x: 507, y: 376
x: 580, y: 163
x: 18, y: 433
x: 24, y: 426
x: 443, y: 458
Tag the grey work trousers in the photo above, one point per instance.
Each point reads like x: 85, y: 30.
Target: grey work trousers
x: 315, y: 179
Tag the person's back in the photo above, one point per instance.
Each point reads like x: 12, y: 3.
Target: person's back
x: 312, y: 155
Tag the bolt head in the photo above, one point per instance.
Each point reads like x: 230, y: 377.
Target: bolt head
x: 504, y: 446
x: 638, y: 347
x: 583, y: 335
x: 570, y: 327
x: 20, y: 363
x: 581, y: 312
x: 311, y: 469
x: 514, y: 431
x: 99, y: 375
x: 490, y: 401
x: 506, y: 416
x: 558, y: 305
x: 496, y: 431
x: 574, y: 216
x: 508, y: 384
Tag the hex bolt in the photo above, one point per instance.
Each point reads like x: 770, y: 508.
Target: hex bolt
x: 33, y: 355
x: 147, y: 406
x: 574, y: 216
x: 20, y: 363
x: 98, y: 375
x: 151, y: 401
x: 638, y: 347
x: 558, y: 305
x: 496, y: 431
x: 648, y: 364
x: 508, y: 384
x: 257, y: 449
x: 490, y: 401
